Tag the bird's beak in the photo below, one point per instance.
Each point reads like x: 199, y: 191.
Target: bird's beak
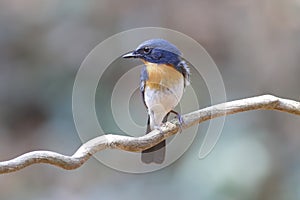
x: 131, y: 54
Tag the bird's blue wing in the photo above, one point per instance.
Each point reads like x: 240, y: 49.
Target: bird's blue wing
x: 183, y: 67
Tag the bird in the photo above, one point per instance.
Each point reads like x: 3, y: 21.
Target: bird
x: 163, y: 79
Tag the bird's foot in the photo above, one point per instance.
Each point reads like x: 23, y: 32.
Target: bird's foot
x: 180, y: 120
x: 159, y: 128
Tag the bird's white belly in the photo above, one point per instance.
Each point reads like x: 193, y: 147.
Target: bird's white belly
x: 160, y: 102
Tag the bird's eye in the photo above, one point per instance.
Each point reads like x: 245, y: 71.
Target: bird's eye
x: 146, y: 50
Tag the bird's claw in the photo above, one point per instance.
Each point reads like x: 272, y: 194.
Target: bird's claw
x: 158, y: 128
x: 180, y: 120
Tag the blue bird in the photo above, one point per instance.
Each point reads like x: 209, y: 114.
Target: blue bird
x: 163, y: 79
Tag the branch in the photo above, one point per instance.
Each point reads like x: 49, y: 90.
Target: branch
x: 137, y: 144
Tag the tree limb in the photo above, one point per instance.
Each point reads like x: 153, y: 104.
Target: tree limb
x: 137, y: 144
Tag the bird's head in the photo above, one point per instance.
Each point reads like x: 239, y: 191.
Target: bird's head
x: 157, y: 51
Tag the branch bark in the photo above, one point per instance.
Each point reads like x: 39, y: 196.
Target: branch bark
x: 137, y: 144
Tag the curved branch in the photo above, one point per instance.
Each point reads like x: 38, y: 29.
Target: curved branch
x: 137, y: 144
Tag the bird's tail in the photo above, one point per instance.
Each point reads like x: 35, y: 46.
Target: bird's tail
x: 156, y: 153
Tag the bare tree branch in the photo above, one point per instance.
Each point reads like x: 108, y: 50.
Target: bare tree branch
x: 137, y: 144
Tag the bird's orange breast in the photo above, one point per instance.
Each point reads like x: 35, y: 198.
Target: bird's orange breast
x: 162, y: 76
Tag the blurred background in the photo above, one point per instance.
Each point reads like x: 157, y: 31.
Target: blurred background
x: 255, y: 44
